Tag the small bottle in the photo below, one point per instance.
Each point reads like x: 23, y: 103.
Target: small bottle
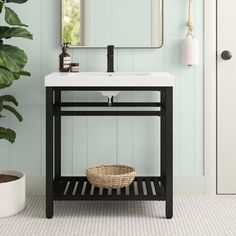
x: 64, y: 59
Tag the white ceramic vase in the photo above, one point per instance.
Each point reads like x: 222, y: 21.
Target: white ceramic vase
x: 12, y: 194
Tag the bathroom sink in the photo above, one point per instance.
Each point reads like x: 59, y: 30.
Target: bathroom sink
x: 114, y: 79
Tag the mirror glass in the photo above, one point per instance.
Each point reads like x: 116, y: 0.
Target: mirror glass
x: 123, y: 23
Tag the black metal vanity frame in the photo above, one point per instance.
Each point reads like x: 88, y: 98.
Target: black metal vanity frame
x: 59, y: 187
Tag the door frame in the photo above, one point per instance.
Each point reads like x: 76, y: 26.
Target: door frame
x: 210, y: 96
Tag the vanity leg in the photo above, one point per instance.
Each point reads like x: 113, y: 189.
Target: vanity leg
x: 49, y: 152
x: 57, y: 137
x: 169, y: 152
x: 163, y: 136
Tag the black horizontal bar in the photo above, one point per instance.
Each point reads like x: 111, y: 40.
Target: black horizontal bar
x: 109, y: 113
x: 84, y: 178
x: 110, y: 198
x: 106, y: 88
x: 105, y: 104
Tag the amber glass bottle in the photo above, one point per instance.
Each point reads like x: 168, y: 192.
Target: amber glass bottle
x: 64, y: 59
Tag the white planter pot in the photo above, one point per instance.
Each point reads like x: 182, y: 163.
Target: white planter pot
x: 12, y: 194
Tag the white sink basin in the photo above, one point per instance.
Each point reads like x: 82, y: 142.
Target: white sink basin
x: 116, y: 79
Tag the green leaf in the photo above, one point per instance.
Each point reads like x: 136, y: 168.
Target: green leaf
x: 25, y: 73
x: 8, y: 134
x: 14, y: 111
x: 7, y: 62
x: 1, y: 41
x: 1, y: 5
x: 17, y: 1
x: 21, y: 73
x: 9, y: 32
x: 12, y: 18
x: 12, y: 58
x: 8, y: 98
x: 6, y: 78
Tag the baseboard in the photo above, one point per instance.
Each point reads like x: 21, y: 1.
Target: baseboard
x: 35, y: 185
x: 189, y: 185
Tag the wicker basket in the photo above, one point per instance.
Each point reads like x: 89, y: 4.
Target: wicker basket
x: 110, y: 176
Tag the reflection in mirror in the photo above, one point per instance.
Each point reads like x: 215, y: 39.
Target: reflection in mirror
x: 123, y: 23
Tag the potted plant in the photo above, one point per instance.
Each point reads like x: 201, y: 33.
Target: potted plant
x: 12, y: 62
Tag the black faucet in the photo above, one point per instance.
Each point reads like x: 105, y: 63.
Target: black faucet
x: 110, y: 58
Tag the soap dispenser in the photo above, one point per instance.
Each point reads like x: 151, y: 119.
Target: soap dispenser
x: 64, y: 59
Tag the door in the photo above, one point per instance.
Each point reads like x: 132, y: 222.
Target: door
x: 226, y: 97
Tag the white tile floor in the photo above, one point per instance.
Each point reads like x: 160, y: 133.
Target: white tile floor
x: 193, y: 215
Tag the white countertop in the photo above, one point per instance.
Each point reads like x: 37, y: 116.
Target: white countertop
x: 101, y: 79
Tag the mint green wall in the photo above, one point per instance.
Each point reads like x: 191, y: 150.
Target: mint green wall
x: 87, y: 141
